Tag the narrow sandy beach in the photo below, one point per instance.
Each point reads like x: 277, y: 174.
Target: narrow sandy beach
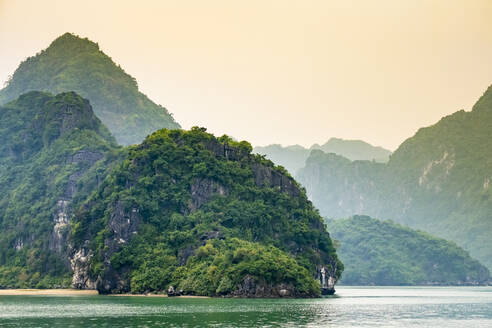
x: 47, y: 292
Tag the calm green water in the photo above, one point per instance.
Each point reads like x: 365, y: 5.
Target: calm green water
x: 353, y: 307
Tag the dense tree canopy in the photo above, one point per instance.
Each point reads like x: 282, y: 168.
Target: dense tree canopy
x: 379, y: 252
x: 206, y: 219
x: 71, y: 63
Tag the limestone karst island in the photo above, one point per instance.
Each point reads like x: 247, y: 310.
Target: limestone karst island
x: 246, y: 164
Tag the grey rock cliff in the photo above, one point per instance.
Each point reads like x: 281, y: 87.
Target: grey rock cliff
x: 250, y: 287
x: 82, y: 160
x: 123, y: 224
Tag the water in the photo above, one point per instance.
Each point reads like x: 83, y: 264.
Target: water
x: 352, y: 307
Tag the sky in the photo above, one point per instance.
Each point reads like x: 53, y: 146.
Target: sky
x: 287, y: 72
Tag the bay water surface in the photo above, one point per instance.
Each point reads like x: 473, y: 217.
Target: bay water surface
x: 351, y: 307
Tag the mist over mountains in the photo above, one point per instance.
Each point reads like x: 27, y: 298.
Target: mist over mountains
x: 100, y: 189
x: 293, y: 158
x: 437, y: 181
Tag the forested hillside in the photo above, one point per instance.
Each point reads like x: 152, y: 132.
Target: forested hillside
x: 202, y: 214
x: 438, y: 181
x: 49, y: 144
x: 182, y: 209
x: 71, y: 63
x: 379, y: 252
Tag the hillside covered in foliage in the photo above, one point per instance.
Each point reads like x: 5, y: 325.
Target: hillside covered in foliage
x: 71, y: 63
x: 379, y: 252
x: 438, y: 181
x: 183, y: 209
x: 49, y: 143
x: 202, y: 214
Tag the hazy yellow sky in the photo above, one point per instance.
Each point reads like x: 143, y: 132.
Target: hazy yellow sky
x: 280, y: 71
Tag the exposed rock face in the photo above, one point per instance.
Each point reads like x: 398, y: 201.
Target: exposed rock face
x: 85, y: 155
x: 264, y: 176
x: 251, y: 288
x: 58, y: 236
x: 123, y: 225
x: 327, y: 280
x: 19, y: 244
x: 267, y: 177
x: 225, y: 150
x: 80, y: 266
x: 84, y: 159
x: 202, y: 190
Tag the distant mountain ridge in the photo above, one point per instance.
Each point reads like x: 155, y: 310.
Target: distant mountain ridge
x: 438, y: 181
x: 71, y: 63
x: 294, y: 157
x: 354, y: 150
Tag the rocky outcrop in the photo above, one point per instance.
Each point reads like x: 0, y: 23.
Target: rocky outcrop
x: 225, y: 150
x: 84, y: 156
x: 79, y: 262
x: 202, y: 190
x: 266, y: 176
x: 84, y: 159
x: 59, y: 233
x: 327, y: 280
x: 123, y: 224
x: 250, y: 287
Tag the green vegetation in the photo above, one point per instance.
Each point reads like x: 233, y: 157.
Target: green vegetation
x: 439, y: 181
x: 185, y: 209
x: 384, y: 253
x: 44, y: 139
x: 217, y: 268
x: 293, y: 158
x: 203, y: 214
x: 74, y: 64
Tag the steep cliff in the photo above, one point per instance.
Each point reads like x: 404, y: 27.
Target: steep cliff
x: 437, y: 181
x: 71, y: 63
x: 203, y: 215
x: 49, y: 143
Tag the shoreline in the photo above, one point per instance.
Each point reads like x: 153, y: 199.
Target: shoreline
x: 48, y: 292
x: 82, y: 292
x: 157, y: 295
x: 78, y: 292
